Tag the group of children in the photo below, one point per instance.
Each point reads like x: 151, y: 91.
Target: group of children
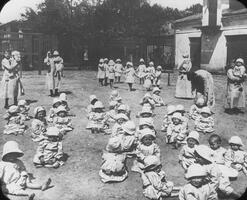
x: 47, y: 131
x: 208, y: 169
x: 110, y: 70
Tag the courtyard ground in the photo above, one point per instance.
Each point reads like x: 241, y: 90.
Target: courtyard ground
x: 78, y: 179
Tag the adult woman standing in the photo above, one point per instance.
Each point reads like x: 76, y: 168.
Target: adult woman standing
x: 11, y: 85
x: 101, y: 72
x: 235, y: 97
x: 183, y: 87
x: 52, y: 84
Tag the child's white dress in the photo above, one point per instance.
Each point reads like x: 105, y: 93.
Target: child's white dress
x: 63, y: 123
x: 187, y: 156
x: 24, y: 113
x: 15, y: 125
x: 158, y: 100
x: 205, y: 125
x: 97, y: 121
x: 154, y: 186
x: 194, y: 112
x: 118, y: 70
x: 219, y: 155
x: 167, y: 120
x: 38, y: 129
x: 176, y: 133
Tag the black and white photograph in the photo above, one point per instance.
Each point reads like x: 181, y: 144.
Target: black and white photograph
x: 123, y: 100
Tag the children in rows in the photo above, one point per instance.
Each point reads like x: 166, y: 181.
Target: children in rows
x: 39, y: 124
x: 157, y: 98
x: 117, y: 127
x: 113, y: 168
x: 146, y: 146
x: 205, y: 122
x: 148, y: 101
x: 198, y: 186
x: 235, y: 157
x: 111, y: 114
x: 111, y: 69
x: 98, y: 119
x: 219, y: 180
x: 14, y: 177
x: 186, y: 155
x: 52, y: 112
x: 155, y: 184
x: 168, y: 117
x: 141, y: 70
x: 93, y: 99
x: 217, y: 150
x: 157, y: 80
x: 15, y: 124
x: 62, y: 121
x: 130, y: 75
x: 23, y: 109
x: 118, y: 68
x: 50, y: 150
x: 176, y: 131
x: 195, y: 109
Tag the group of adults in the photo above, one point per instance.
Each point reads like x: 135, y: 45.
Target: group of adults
x: 194, y: 84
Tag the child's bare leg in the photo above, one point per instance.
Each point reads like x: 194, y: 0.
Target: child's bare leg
x: 37, y: 186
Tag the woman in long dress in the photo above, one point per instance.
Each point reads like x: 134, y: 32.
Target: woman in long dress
x: 235, y: 97
x: 53, y: 80
x: 183, y: 87
x: 11, y: 85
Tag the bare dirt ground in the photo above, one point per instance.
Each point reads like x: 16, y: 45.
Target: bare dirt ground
x: 78, y: 179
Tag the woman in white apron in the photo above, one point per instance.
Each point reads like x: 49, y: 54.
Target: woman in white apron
x: 11, y: 85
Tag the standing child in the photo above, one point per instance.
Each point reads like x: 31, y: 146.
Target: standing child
x: 118, y: 70
x: 15, y: 124
x: 235, y: 157
x: 157, y: 79
x: 52, y: 112
x: 168, y: 117
x: 141, y: 70
x: 93, y: 99
x: 14, y: 177
x: 62, y: 121
x: 149, y: 76
x: 195, y: 109
x: 176, y: 131
x: 98, y: 119
x: 198, y: 187
x: 23, y: 109
x: 217, y: 150
x: 50, y: 150
x: 39, y: 124
x: 186, y: 155
x: 101, y: 72
x: 146, y: 146
x: 111, y: 70
x: 157, y: 98
x: 130, y: 75
x: 155, y: 184
x: 113, y: 167
x: 205, y: 122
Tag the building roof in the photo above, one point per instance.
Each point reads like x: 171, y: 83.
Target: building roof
x: 189, y: 18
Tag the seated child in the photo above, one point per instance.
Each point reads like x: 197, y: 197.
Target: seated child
x: 93, y: 100
x: 198, y: 187
x: 64, y: 101
x: 117, y: 127
x: 148, y: 101
x: 186, y: 155
x: 112, y: 111
x: 157, y: 98
x: 205, y: 122
x: 145, y: 113
x: 176, y: 131
x: 217, y: 177
x: 14, y: 177
x: 168, y: 117
x: 62, y: 121
x: 217, y: 150
x: 52, y: 112
x: 195, y: 109
x: 180, y: 109
x: 115, y: 96
x: 23, y: 109
x: 155, y: 184
x: 146, y: 146
x: 39, y: 124
x: 235, y: 157
x: 15, y: 124
x: 113, y: 168
x: 123, y: 108
x: 98, y: 119
x: 146, y: 123
x: 50, y: 150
